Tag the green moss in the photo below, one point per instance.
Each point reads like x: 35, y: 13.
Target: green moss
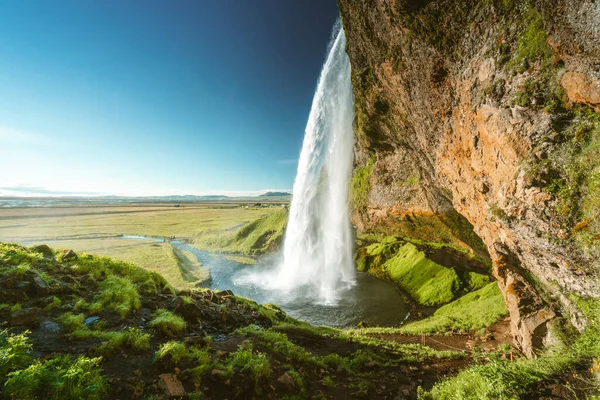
x: 475, y: 310
x: 361, y: 184
x: 533, y: 43
x: 476, y: 281
x: 167, y: 323
x: 254, y: 363
x: 116, y: 294
x: 71, y: 322
x: 427, y: 282
x: 172, y: 353
x: 261, y: 236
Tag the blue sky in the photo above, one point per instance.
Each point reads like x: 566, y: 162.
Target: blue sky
x: 156, y: 97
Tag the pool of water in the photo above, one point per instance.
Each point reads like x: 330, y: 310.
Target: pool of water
x: 370, y: 300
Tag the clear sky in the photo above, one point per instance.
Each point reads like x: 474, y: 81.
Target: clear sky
x: 156, y: 97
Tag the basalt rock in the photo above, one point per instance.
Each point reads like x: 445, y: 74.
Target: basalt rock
x: 463, y: 108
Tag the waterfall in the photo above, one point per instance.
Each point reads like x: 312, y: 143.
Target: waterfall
x: 317, y: 253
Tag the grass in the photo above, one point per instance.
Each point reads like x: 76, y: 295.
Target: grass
x: 71, y: 322
x: 253, y: 362
x: 116, y: 294
x: 96, y: 230
x: 427, y: 282
x: 277, y: 342
x: 475, y: 281
x: 501, y: 379
x: 242, y: 260
x: 115, y: 341
x: 262, y: 235
x: 475, y: 310
x: 59, y: 378
x: 167, y: 323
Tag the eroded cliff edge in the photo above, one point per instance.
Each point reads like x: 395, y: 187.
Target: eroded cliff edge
x: 477, y: 126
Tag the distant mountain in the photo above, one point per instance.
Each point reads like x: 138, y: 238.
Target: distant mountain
x: 275, y: 194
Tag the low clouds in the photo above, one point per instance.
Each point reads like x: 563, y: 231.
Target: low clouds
x: 17, y: 136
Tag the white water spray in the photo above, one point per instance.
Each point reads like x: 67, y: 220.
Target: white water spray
x: 317, y: 255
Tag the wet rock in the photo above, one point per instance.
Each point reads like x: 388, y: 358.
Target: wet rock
x: 25, y: 317
x: 171, y: 386
x: 69, y: 255
x: 91, y: 320
x: 44, y: 249
x: 40, y: 286
x: 50, y: 327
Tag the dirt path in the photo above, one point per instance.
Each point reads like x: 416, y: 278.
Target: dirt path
x: 498, y: 334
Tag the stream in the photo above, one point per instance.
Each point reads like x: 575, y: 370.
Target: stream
x: 371, y: 301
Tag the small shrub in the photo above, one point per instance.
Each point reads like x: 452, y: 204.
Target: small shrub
x: 14, y: 353
x: 167, y: 323
x: 58, y: 378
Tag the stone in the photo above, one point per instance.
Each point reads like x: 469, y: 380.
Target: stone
x: 25, y: 317
x: 50, y: 327
x: 91, y: 320
x: 581, y: 88
x: 286, y: 380
x: 40, y: 286
x: 69, y: 255
x: 171, y: 385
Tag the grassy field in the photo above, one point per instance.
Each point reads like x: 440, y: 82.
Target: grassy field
x: 95, y: 230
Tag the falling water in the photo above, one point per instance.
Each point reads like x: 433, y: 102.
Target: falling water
x: 317, y: 255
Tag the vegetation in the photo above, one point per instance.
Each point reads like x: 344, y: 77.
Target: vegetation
x: 60, y: 377
x: 427, y: 282
x: 242, y: 260
x: 168, y: 323
x: 89, y: 233
x: 361, y: 184
x: 475, y: 310
x: 261, y: 236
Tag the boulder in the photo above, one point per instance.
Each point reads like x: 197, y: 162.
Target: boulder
x: 25, y: 317
x: 171, y: 385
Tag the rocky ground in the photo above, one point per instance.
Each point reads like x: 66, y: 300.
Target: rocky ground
x: 153, y: 342
x: 78, y: 326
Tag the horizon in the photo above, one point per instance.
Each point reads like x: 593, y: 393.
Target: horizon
x: 165, y: 99
x: 25, y: 192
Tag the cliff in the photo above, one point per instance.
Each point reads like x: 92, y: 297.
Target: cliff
x: 476, y: 126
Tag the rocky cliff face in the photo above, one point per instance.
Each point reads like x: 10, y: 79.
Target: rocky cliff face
x: 476, y: 126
